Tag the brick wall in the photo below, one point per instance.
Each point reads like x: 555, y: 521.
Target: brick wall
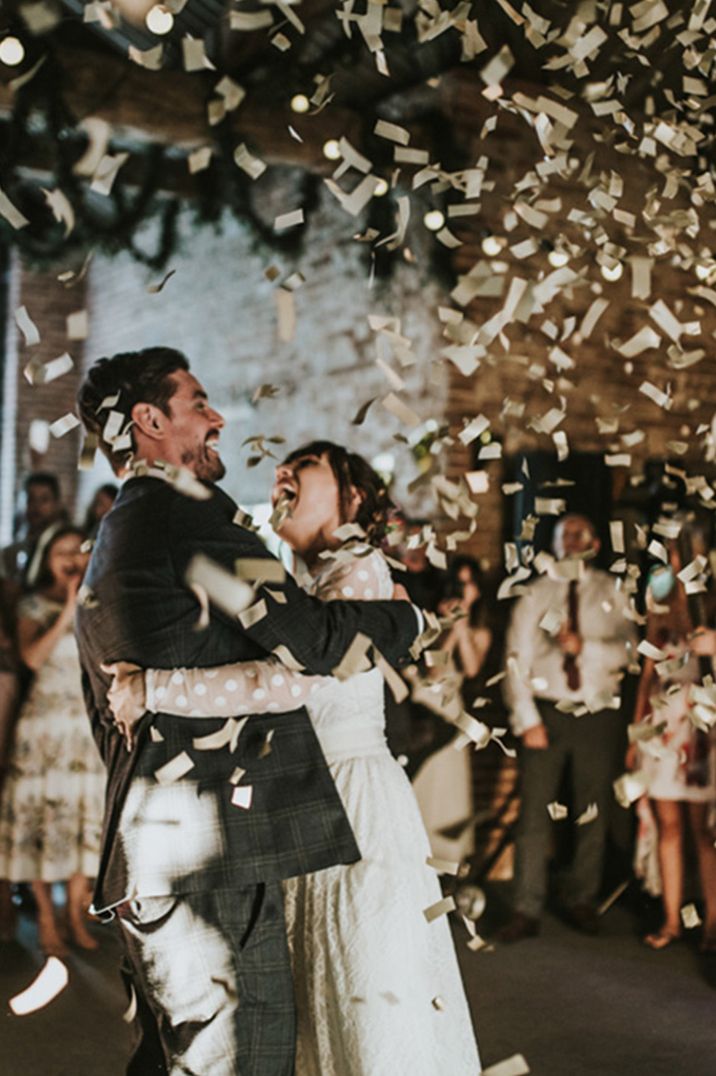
x: 221, y: 310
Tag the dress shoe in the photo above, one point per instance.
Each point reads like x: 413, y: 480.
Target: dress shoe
x: 520, y: 926
x: 583, y: 918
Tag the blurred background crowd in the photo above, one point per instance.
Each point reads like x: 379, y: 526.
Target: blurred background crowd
x: 558, y: 732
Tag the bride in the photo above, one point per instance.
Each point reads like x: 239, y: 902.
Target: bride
x: 378, y: 988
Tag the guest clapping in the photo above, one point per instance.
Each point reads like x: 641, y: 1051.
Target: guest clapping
x: 52, y: 803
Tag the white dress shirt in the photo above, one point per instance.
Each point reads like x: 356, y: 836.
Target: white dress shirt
x: 535, y: 660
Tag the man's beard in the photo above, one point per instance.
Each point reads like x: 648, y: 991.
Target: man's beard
x: 205, y: 465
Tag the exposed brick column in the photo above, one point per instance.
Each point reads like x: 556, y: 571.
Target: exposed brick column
x: 49, y: 304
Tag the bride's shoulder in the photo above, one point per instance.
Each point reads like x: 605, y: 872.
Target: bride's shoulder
x: 360, y: 572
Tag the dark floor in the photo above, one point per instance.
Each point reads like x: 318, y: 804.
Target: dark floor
x: 573, y: 1006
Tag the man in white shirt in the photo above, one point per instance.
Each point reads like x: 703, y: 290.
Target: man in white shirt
x: 567, y: 645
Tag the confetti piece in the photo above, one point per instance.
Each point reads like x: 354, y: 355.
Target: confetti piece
x: 106, y: 173
x: 131, y: 1011
x: 194, y: 54
x: 11, y: 213
x: 222, y: 737
x: 247, y: 162
x: 27, y: 327
x: 228, y: 593
x: 443, y: 866
x: 78, y: 325
x: 441, y: 907
x: 155, y: 289
x: 360, y: 415
x: 629, y: 787
x: 260, y: 569
x: 557, y: 811
x: 175, y: 769
x: 511, y: 1066
x: 355, y: 659
x: 242, y: 796
x: 64, y: 425
x: 590, y: 814
x: 50, y: 982
x: 252, y: 615
x: 41, y: 373
x: 400, y: 410
x: 61, y: 208
x: 392, y: 132
x: 689, y: 917
x: 199, y: 159
x: 288, y: 220
x: 151, y: 59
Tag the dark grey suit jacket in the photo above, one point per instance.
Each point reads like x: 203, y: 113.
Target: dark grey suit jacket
x: 187, y: 835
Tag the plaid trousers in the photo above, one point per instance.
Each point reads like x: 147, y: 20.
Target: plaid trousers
x: 213, y: 980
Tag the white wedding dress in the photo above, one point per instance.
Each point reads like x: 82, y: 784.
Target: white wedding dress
x: 378, y: 988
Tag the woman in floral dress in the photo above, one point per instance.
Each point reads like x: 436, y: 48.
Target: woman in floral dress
x: 53, y: 799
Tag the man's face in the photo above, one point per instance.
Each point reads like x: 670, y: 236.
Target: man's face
x: 193, y: 428
x: 575, y: 537
x: 42, y: 507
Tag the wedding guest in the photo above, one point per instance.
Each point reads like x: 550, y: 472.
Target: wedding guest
x: 9, y: 694
x: 443, y: 787
x: 53, y: 800
x: 677, y: 761
x: 44, y: 514
x: 100, y: 505
x: 566, y: 646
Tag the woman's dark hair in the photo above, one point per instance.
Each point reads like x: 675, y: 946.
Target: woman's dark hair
x: 44, y: 478
x: 45, y: 578
x: 351, y: 470
x: 135, y: 377
x: 453, y: 586
x: 109, y: 489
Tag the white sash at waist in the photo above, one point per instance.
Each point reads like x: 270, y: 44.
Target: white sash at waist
x: 344, y: 742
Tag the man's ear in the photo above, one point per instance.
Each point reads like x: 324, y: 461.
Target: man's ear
x: 150, y: 421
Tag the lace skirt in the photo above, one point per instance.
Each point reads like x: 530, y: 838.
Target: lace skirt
x: 378, y: 988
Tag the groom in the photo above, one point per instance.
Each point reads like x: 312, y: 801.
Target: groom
x: 195, y: 840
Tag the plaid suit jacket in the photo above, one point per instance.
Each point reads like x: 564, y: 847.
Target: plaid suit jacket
x: 187, y: 835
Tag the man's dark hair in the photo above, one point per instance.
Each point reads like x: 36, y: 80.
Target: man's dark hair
x: 136, y: 377
x: 351, y: 469
x: 44, y: 478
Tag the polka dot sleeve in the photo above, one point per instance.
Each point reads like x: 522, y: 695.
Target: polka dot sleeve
x: 248, y: 687
x: 259, y: 687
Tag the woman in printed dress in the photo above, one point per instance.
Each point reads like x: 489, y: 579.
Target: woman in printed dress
x: 53, y: 799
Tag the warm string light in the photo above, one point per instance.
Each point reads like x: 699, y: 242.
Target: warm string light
x: 300, y: 103
x: 558, y: 258
x: 12, y: 51
x: 331, y: 150
x: 491, y: 246
x: 433, y: 220
x: 612, y: 272
x: 159, y: 20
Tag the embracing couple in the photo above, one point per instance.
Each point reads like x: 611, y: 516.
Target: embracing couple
x: 262, y: 850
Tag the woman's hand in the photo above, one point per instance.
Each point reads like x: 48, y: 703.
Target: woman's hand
x: 126, y: 696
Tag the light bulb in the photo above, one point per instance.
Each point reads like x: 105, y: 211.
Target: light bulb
x: 300, y: 103
x: 159, y: 20
x: 12, y: 51
x: 331, y: 149
x: 433, y: 220
x: 612, y: 272
x: 557, y: 258
x: 491, y: 246
x: 381, y: 188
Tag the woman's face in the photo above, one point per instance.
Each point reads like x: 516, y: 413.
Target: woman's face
x: 311, y: 489
x: 470, y: 589
x: 66, y: 560
x: 101, y: 504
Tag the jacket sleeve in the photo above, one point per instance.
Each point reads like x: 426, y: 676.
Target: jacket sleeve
x: 315, y: 633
